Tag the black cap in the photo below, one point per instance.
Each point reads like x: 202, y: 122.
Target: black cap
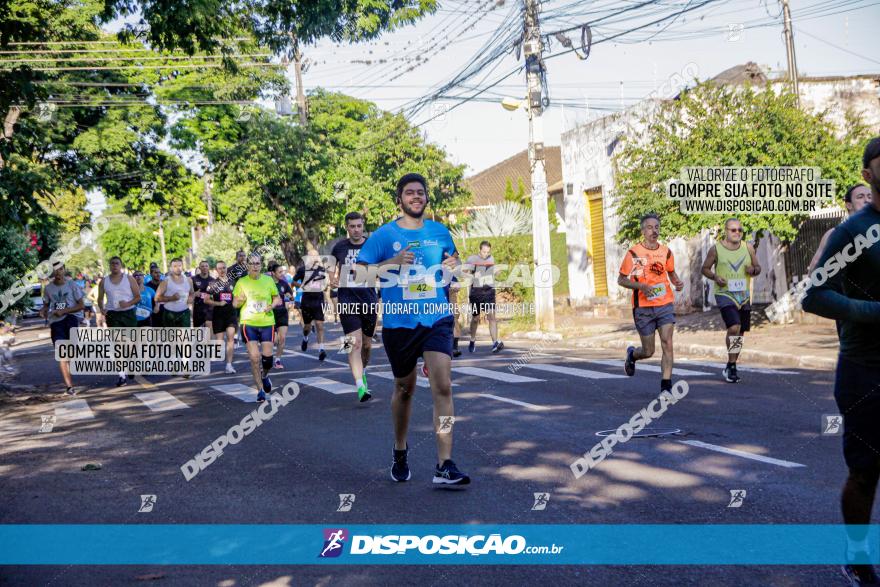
x: 872, y: 151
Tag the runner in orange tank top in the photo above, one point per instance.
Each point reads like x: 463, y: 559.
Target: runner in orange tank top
x: 648, y: 269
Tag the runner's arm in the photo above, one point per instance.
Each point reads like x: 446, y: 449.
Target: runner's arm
x: 814, y: 262
x: 624, y: 281
x: 709, y: 264
x: 135, y: 293
x: 828, y: 300
x: 190, y: 299
x: 160, y: 293
x: 754, y: 269
x: 100, y: 299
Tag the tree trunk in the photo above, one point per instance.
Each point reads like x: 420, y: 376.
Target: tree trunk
x: 9, y: 127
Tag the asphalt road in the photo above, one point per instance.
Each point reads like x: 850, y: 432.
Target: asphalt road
x: 515, y: 438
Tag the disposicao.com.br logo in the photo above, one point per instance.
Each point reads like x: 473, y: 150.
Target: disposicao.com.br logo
x: 430, y: 544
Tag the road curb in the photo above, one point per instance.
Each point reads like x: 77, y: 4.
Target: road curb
x: 757, y: 356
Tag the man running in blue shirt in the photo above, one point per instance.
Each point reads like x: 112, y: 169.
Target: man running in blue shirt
x: 413, y: 254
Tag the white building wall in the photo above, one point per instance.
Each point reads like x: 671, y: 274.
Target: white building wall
x: 587, y: 152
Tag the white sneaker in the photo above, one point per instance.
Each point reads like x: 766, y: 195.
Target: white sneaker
x: 230, y: 369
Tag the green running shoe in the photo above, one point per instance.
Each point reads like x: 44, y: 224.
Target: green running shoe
x: 363, y: 393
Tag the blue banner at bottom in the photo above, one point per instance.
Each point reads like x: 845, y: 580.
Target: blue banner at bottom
x: 487, y: 544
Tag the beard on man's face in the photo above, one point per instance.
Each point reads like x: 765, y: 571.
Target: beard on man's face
x: 410, y: 212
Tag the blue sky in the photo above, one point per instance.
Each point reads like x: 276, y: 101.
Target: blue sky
x: 479, y: 134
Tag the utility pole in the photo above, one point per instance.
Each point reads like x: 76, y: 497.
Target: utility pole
x: 162, y: 243
x: 789, y: 50
x: 543, y: 275
x: 300, y: 94
x: 209, y: 200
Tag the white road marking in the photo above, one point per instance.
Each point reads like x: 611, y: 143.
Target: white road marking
x: 515, y: 402
x: 330, y: 361
x: 496, y: 375
x: 742, y: 453
x: 327, y: 385
x: 77, y: 409
x: 585, y: 373
x: 645, y: 367
x: 742, y: 369
x: 238, y: 391
x: 420, y: 381
x: 160, y: 401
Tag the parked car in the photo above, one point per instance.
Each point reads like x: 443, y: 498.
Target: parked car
x: 36, y: 295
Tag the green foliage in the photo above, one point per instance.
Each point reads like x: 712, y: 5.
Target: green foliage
x: 134, y: 243
x: 518, y: 249
x: 222, y: 244
x: 15, y: 262
x: 727, y: 126
x: 210, y: 25
x: 509, y: 196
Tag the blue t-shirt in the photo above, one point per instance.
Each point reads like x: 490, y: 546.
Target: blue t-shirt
x: 144, y: 309
x: 419, y: 296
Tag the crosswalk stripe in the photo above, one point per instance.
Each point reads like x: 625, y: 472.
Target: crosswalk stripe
x: 315, y: 357
x: 160, y: 401
x: 327, y: 385
x: 585, y: 373
x: 742, y: 453
x: 513, y: 401
x: 238, y: 391
x: 77, y: 409
x: 743, y: 369
x: 646, y: 367
x: 420, y: 381
x: 496, y: 375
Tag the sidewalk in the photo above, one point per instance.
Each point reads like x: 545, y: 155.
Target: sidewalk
x: 700, y: 335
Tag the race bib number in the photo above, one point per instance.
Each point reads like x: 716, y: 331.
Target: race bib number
x: 142, y: 313
x: 59, y: 305
x: 736, y: 285
x: 256, y: 307
x: 225, y: 297
x: 658, y: 291
x: 419, y: 291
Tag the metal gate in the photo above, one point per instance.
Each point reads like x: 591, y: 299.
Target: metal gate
x: 803, y: 247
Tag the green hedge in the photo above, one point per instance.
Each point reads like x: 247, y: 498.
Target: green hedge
x: 518, y: 249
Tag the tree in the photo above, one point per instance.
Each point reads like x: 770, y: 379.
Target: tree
x: 221, y: 244
x: 16, y: 259
x: 509, y: 196
x: 714, y: 125
x: 277, y: 24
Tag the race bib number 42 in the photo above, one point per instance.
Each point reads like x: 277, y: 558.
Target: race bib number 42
x: 419, y: 291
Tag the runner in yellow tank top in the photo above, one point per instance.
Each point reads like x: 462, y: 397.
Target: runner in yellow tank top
x: 731, y: 264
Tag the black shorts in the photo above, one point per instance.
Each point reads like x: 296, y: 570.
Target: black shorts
x: 201, y: 314
x: 145, y: 323
x: 365, y: 322
x: 481, y: 300
x: 404, y: 346
x: 857, y: 392
x: 172, y: 319
x: 312, y: 312
x: 281, y: 317
x: 61, y: 329
x: 121, y: 318
x: 733, y: 315
x: 222, y: 320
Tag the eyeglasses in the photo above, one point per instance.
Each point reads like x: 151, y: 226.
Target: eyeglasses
x: 734, y: 230
x: 256, y: 264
